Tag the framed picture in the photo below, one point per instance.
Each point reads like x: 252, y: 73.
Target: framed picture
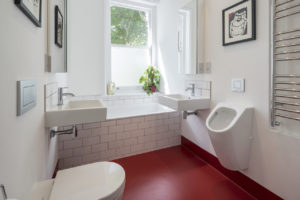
x: 239, y: 23
x: 32, y: 9
x: 59, y: 24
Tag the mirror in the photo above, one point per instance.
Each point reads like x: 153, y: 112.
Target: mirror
x: 57, y: 39
x: 190, y: 29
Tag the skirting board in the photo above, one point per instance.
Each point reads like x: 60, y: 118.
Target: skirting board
x: 253, y: 188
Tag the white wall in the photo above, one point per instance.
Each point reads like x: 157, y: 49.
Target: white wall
x: 26, y: 154
x: 275, y: 158
x: 86, y: 47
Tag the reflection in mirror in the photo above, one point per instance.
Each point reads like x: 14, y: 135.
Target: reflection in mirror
x: 57, y: 40
x: 189, y: 34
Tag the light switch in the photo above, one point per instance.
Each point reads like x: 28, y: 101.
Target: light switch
x: 238, y: 85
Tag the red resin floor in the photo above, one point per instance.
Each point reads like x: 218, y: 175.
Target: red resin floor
x: 176, y: 174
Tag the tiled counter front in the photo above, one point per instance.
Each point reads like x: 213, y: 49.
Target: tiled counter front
x: 114, y: 139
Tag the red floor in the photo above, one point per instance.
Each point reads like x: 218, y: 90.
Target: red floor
x: 176, y: 174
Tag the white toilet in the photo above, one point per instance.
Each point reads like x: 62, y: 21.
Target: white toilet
x: 97, y: 181
x: 230, y: 131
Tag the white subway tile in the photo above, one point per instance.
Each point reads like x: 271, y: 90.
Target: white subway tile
x: 82, y: 151
x: 79, y: 126
x: 162, y: 143
x: 65, y: 137
x: 94, y: 157
x: 72, y: 144
x: 108, y: 123
x: 150, y: 131
x: 123, y: 151
x: 131, y: 141
x: 107, y: 138
x: 71, y: 162
x: 84, y: 133
x: 91, y: 125
x: 150, y: 145
x: 123, y: 135
x: 123, y: 121
x: 138, y: 119
x: 99, y: 147
x: 116, y: 129
x: 137, y: 148
x: 115, y: 144
x: 139, y: 132
x: 150, y: 118
x: 144, y: 125
x: 60, y: 145
x: 131, y: 127
x: 65, y: 153
x: 91, y: 140
x: 107, y: 154
x: 99, y: 131
x: 173, y: 114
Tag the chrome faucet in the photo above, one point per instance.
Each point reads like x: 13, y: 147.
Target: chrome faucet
x: 61, y: 95
x: 192, y: 89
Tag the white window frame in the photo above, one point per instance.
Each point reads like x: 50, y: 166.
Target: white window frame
x: 151, y: 9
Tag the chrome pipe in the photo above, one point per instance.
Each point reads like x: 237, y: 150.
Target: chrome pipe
x: 287, y: 97
x: 287, y: 52
x: 286, y: 103
x: 287, y: 32
x: 287, y: 83
x: 287, y: 59
x: 287, y: 76
x: 290, y: 38
x: 285, y: 9
x: 287, y: 45
x: 287, y: 117
x: 288, y: 15
x: 281, y: 4
x: 287, y: 90
x: 288, y: 110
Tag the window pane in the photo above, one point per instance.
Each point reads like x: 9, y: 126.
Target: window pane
x: 129, y: 27
x: 128, y: 65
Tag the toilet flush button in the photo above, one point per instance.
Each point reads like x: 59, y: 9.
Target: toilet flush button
x: 238, y: 85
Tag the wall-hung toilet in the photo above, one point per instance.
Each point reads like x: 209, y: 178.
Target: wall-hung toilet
x: 97, y: 181
x: 230, y: 131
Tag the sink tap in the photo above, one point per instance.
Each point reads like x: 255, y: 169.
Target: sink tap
x: 61, y: 95
x: 192, y: 89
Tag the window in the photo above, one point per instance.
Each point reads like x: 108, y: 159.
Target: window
x: 131, y: 43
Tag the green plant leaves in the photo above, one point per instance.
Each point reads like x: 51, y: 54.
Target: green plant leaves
x: 151, y: 78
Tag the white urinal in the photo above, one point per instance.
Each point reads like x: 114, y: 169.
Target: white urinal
x: 230, y: 131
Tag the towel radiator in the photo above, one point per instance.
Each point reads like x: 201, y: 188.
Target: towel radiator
x: 285, y: 68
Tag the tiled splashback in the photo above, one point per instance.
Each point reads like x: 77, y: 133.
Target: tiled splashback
x: 122, y: 99
x: 51, y: 97
x: 203, y: 88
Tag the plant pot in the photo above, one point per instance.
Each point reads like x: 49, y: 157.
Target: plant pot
x: 153, y: 88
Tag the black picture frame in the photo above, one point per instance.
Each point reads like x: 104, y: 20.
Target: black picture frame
x: 29, y: 13
x: 243, y: 38
x: 59, y: 27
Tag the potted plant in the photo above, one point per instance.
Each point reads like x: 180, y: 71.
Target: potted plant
x: 151, y: 80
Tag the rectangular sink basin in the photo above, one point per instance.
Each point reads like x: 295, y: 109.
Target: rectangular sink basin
x: 76, y: 112
x: 181, y: 102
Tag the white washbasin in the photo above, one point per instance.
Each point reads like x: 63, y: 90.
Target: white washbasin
x: 76, y: 112
x: 181, y: 102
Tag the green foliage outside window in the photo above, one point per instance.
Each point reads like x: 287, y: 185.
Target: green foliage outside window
x: 128, y: 27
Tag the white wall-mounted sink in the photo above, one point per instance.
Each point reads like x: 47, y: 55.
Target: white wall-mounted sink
x: 76, y: 112
x: 185, y: 103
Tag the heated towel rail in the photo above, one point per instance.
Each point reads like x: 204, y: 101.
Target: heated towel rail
x: 285, y: 70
